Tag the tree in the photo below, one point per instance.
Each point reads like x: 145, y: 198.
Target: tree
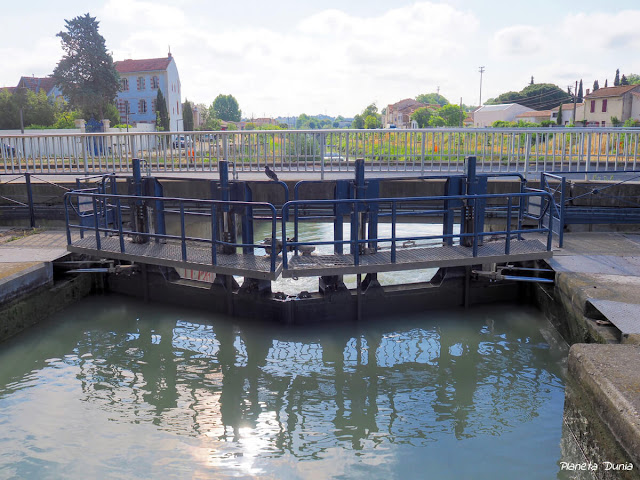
x: 596, y: 85
x: 358, y: 121
x: 372, y: 121
x: 616, y: 80
x: 187, y: 116
x: 432, y: 99
x: 633, y: 79
x: 162, y: 113
x: 421, y: 116
x: 225, y: 107
x: 451, y: 114
x: 606, y: 83
x: 539, y: 96
x: 559, y: 119
x: 624, y: 80
x: 437, y: 121
x: 580, y: 92
x: 86, y: 73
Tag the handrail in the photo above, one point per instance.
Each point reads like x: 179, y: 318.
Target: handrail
x: 359, y: 205
x: 101, y: 204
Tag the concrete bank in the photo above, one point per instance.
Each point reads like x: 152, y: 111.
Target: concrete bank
x: 593, y: 304
x: 28, y: 293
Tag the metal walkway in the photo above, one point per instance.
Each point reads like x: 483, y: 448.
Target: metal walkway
x: 415, y: 258
x: 169, y: 254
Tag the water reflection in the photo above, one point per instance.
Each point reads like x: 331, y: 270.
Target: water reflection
x: 250, y: 394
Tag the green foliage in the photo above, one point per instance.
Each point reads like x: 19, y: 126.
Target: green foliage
x: 437, y: 121
x: 432, y: 99
x: 616, y: 80
x: 358, y: 121
x: 547, y: 123
x: 187, y: 116
x: 86, y: 73
x: 580, y: 95
x: 631, y: 123
x: 162, y: 113
x: 250, y: 126
x: 225, y: 107
x: 452, y: 115
x: 37, y: 108
x: 633, y: 79
x: 66, y: 119
x: 624, y: 80
x: 596, y: 85
x: 559, y: 118
x: 372, y: 121
x: 615, y: 121
x: 539, y: 96
x: 421, y: 116
x: 111, y: 113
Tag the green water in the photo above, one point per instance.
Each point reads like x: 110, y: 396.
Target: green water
x: 114, y: 388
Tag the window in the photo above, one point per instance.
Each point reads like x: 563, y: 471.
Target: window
x: 142, y: 106
x: 155, y: 82
x: 604, y: 105
x: 124, y: 84
x: 593, y: 106
x: 140, y: 83
x: 154, y: 105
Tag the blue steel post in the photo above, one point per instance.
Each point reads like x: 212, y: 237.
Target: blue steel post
x: 32, y: 213
x: 360, y: 192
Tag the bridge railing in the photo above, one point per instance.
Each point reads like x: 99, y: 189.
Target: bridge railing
x: 108, y: 217
x: 470, y: 208
x: 526, y: 150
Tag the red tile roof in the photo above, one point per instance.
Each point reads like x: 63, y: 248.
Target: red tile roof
x: 611, y: 91
x: 565, y: 106
x: 147, y: 65
x: 37, y: 84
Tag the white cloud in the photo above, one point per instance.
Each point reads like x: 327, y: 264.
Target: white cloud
x: 518, y: 40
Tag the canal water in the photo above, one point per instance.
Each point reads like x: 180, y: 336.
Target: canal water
x: 115, y: 388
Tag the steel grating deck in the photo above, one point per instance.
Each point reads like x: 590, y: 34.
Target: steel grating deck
x: 170, y: 255
x: 414, y: 258
x: 199, y: 258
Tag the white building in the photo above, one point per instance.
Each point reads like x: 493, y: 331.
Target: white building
x: 487, y: 114
x: 139, y: 84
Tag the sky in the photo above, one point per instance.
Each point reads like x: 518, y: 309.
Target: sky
x: 335, y: 57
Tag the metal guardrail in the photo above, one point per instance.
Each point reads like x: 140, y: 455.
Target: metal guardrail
x: 526, y: 150
x: 563, y: 208
x: 107, y: 219
x: 458, y: 205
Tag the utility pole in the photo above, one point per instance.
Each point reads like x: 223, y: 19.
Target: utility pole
x: 575, y: 99
x: 481, y: 70
x: 461, y: 113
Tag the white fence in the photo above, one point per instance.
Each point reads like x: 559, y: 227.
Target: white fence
x: 424, y: 150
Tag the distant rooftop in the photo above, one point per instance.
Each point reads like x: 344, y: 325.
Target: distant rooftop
x: 146, y: 65
x: 498, y: 108
x: 611, y: 91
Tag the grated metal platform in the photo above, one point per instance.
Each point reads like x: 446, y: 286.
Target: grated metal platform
x: 199, y: 258
x: 170, y: 255
x: 414, y: 258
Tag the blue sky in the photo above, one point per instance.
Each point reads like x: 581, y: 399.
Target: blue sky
x: 336, y: 57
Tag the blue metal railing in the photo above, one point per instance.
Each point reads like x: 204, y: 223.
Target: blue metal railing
x: 561, y: 208
x: 103, y: 203
x: 467, y: 203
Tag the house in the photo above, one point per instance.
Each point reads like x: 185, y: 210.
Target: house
x: 398, y: 115
x: 534, y: 116
x: 606, y: 103
x: 567, y: 113
x: 42, y: 84
x: 260, y: 122
x: 140, y: 81
x: 507, y: 112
